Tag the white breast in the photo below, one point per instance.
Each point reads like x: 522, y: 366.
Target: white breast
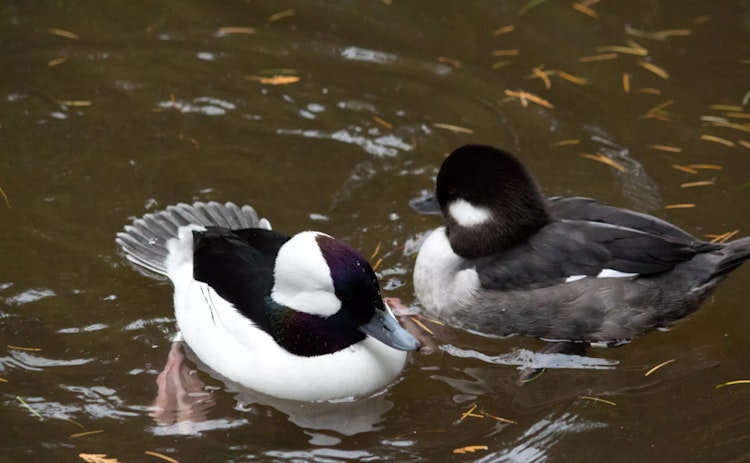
x: 440, y: 281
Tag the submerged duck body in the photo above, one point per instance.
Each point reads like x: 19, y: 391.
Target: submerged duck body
x: 297, y: 317
x: 510, y: 262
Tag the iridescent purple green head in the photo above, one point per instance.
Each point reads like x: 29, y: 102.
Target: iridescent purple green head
x: 326, y: 297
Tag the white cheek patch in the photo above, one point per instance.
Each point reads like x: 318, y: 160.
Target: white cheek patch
x: 302, y: 279
x: 606, y: 273
x: 467, y: 214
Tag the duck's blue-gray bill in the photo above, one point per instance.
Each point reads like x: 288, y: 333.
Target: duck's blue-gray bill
x: 427, y: 204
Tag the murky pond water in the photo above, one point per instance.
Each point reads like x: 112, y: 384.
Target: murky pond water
x: 112, y: 109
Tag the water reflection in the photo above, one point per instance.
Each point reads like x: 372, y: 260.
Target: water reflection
x: 185, y: 405
x: 536, y: 442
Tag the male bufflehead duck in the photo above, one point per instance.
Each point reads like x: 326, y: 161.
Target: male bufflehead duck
x: 297, y: 317
x: 510, y: 261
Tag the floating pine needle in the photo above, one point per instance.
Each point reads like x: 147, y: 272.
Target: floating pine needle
x: 658, y: 366
x: 658, y: 35
x: 705, y: 166
x: 274, y: 80
x: 236, y: 30
x: 599, y: 157
x: 503, y: 30
x: 64, y: 33
x: 97, y: 458
x: 422, y: 325
x: 451, y: 127
x: 377, y: 264
x: 701, y: 183
x: 163, y: 457
x: 720, y: 140
x: 542, y: 75
x: 452, y: 61
x: 377, y: 250
x: 471, y: 413
x: 737, y: 115
x: 661, y: 72
x: 5, y: 197
x: 679, y: 206
x: 87, y: 433
x: 28, y: 349
x: 501, y: 64
x: 281, y: 15
x: 597, y: 399
x: 744, y: 143
x: 3, y: 380
x: 497, y: 418
x: 581, y: 8
x: 571, y: 78
x: 470, y: 448
x: 525, y: 97
x: 566, y: 142
x: 657, y: 112
x: 649, y: 91
x: 57, y: 61
x: 69, y: 420
x: 626, y: 82
x: 599, y: 57
x: 27, y: 406
x: 702, y: 19
x: 669, y: 149
x: 728, y: 125
x: 724, y: 237
x: 726, y: 107
x: 685, y: 169
x: 713, y: 119
x: 512, y: 52
x: 538, y: 374
x: 733, y: 383
x: 638, y: 51
x: 76, y: 103
x: 383, y: 122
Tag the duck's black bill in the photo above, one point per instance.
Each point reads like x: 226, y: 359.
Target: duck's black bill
x: 426, y: 205
x: 384, y: 327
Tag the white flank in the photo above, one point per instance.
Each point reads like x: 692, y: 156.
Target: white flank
x: 302, y: 279
x: 574, y: 278
x: 467, y: 214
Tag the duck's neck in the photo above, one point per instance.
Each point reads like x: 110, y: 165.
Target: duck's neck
x: 306, y: 334
x: 494, y: 236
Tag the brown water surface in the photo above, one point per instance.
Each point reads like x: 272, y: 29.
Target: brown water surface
x: 112, y: 109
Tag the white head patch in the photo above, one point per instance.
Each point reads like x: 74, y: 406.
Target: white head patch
x: 302, y: 279
x: 467, y: 214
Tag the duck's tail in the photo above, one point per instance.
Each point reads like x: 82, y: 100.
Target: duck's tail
x: 144, y: 243
x: 733, y: 255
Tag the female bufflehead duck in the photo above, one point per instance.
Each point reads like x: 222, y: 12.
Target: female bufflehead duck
x: 510, y: 261
x: 297, y: 317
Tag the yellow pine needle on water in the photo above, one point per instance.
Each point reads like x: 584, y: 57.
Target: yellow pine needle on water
x: 597, y: 399
x: 162, y: 456
x: 662, y: 364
